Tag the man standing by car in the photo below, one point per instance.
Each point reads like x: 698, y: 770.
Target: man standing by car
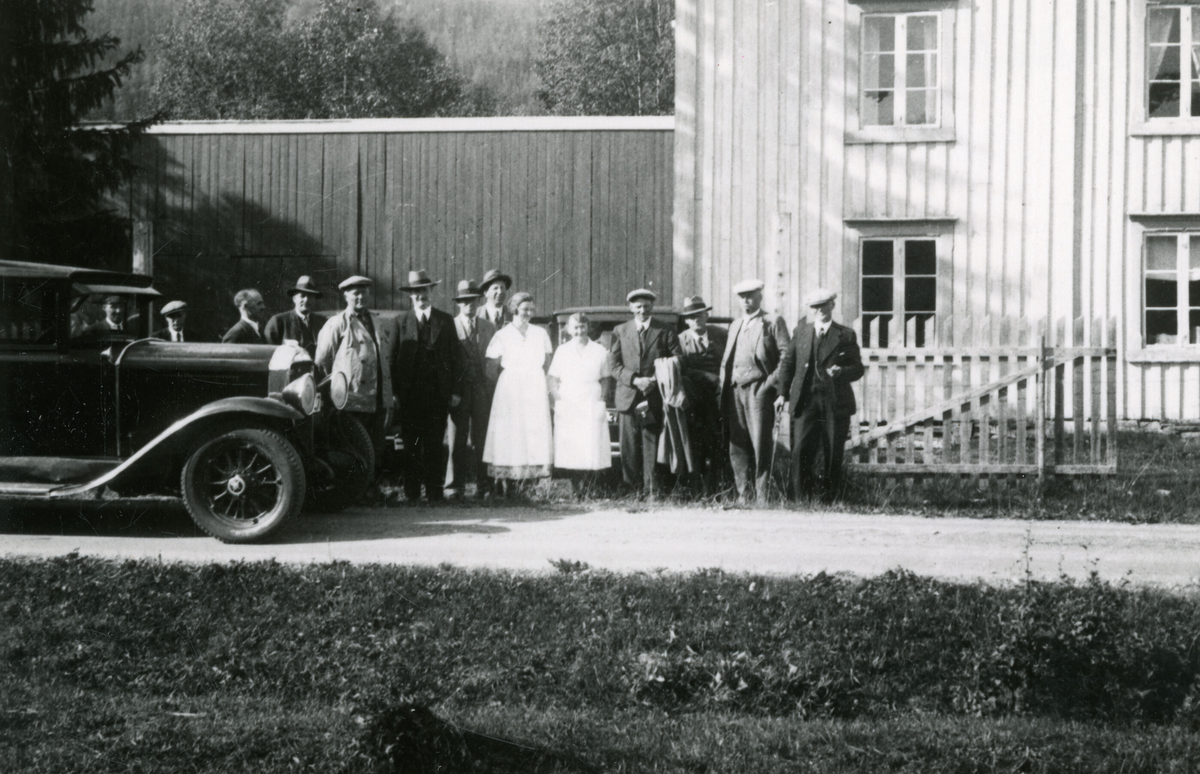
x: 495, y: 287
x: 301, y: 324
x: 428, y: 379
x: 175, y: 313
x: 703, y: 347
x: 749, y: 378
x: 816, y: 372
x: 250, y: 306
x: 470, y: 416
x: 357, y: 350
x: 635, y: 346
x: 114, y: 319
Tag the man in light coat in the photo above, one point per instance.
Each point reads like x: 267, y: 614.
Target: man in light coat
x: 357, y: 350
x: 470, y: 416
x: 815, y: 375
x: 635, y: 346
x: 749, y: 378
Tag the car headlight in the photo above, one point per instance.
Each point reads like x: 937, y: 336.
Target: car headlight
x: 301, y: 394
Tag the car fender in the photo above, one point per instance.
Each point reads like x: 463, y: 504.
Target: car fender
x: 263, y: 407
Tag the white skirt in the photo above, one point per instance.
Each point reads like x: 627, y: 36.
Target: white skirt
x: 519, y: 440
x: 581, y: 435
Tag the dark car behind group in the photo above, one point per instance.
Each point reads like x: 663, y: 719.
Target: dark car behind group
x: 236, y: 430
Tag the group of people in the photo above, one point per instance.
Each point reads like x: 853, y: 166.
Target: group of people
x: 692, y: 406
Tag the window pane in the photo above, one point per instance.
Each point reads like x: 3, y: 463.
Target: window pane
x: 881, y: 324
x: 27, y: 312
x: 1194, y: 326
x: 1196, y: 95
x: 1161, y: 327
x: 921, y: 327
x: 914, y: 112
x: 877, y: 257
x: 920, y: 294
x: 1164, y: 100
x: 879, y: 71
x: 1193, y: 291
x: 1161, y: 253
x: 922, y: 33
x: 920, y: 256
x: 879, y: 33
x: 1162, y: 25
x: 877, y: 294
x: 916, y: 71
x: 1165, y: 60
x: 1160, y: 292
x: 1194, y: 253
x: 879, y: 108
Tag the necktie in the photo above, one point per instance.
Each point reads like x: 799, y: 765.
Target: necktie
x: 176, y: 335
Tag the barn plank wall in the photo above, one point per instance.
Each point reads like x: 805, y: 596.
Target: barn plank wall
x: 1046, y: 185
x: 578, y: 212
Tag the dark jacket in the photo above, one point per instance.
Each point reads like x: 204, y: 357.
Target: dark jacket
x: 426, y: 375
x: 627, y: 359
x: 288, y: 325
x: 474, y: 362
x: 840, y: 347
x: 242, y: 333
x: 165, y: 335
x: 702, y: 365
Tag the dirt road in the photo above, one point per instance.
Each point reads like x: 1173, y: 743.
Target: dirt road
x: 670, y: 539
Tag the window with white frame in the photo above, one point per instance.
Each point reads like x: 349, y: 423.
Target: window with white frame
x: 1172, y: 61
x: 899, y: 81
x: 899, y: 291
x: 1172, y: 289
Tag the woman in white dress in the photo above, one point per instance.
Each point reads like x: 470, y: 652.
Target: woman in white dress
x: 519, y: 443
x: 581, y: 439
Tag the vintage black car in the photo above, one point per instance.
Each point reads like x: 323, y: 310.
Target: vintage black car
x: 602, y: 321
x: 91, y: 404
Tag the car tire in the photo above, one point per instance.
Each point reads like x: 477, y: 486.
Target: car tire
x: 243, y: 484
x: 346, y: 488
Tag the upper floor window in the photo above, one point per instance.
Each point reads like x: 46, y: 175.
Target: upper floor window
x: 900, y: 80
x: 1173, y: 61
x: 1172, y: 289
x: 900, y: 70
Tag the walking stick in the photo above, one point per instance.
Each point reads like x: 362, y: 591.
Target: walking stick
x: 774, y: 446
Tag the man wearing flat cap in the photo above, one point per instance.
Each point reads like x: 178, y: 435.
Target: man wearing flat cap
x: 470, y: 417
x: 301, y: 324
x: 495, y: 286
x: 114, y: 322
x: 175, y: 313
x: 635, y: 346
x: 749, y: 384
x: 816, y: 373
x: 703, y: 347
x: 428, y: 378
x: 357, y: 349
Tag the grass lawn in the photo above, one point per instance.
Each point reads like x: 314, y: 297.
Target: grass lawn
x: 258, y: 667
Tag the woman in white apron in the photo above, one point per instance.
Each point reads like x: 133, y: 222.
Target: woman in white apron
x: 581, y: 440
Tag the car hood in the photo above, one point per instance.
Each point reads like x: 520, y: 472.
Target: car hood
x: 154, y: 355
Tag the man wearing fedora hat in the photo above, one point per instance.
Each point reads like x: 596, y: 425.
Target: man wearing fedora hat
x: 815, y: 375
x: 703, y: 347
x: 428, y: 381
x: 494, y: 286
x: 301, y: 324
x: 749, y: 384
x: 357, y: 349
x: 470, y: 417
x: 635, y: 346
x: 175, y: 313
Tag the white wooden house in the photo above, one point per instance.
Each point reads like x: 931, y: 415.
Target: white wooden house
x: 939, y: 161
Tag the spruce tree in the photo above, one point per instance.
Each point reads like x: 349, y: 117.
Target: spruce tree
x: 57, y: 177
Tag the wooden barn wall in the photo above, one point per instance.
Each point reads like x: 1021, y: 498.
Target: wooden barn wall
x: 576, y: 217
x: 1036, y: 186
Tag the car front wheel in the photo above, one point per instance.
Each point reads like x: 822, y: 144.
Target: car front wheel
x: 243, y: 484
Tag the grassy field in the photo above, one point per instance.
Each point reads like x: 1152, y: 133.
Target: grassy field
x: 149, y: 667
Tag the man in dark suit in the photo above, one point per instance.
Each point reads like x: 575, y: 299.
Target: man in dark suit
x: 247, y: 330
x: 749, y: 384
x: 700, y: 364
x: 175, y: 313
x: 300, y: 325
x: 817, y: 369
x: 427, y: 377
x: 114, y: 322
x: 470, y: 416
x: 635, y: 346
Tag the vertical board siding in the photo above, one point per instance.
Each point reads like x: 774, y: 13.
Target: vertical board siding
x: 576, y: 217
x: 1037, y: 185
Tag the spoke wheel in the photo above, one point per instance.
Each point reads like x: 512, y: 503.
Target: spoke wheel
x: 243, y: 484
